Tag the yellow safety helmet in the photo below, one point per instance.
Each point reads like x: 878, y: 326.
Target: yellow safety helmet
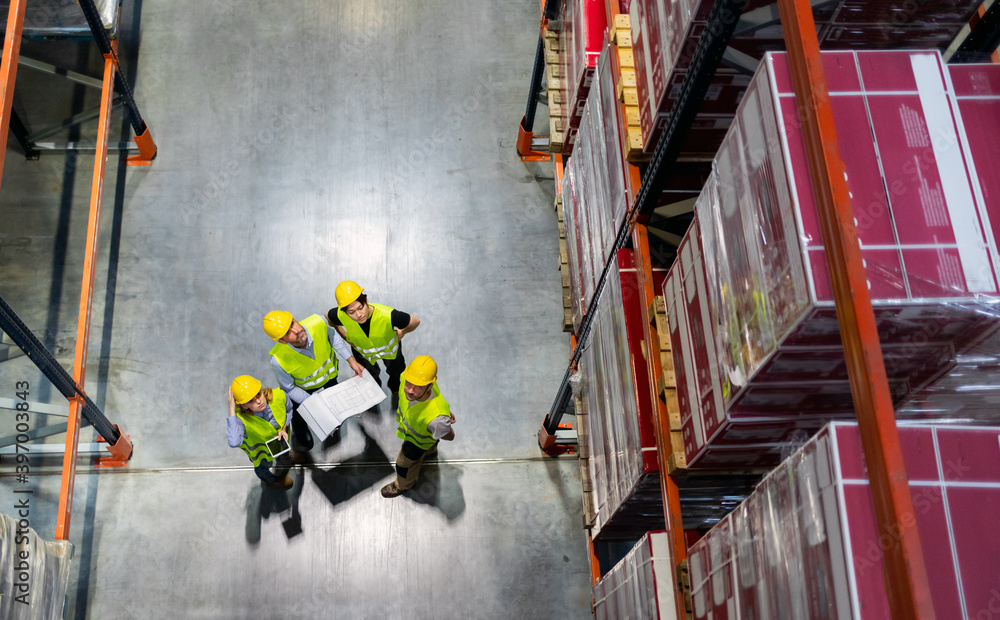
x: 276, y: 323
x: 347, y: 292
x: 245, y: 388
x: 421, y: 371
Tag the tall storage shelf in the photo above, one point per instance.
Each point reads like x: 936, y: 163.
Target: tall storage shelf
x: 935, y: 298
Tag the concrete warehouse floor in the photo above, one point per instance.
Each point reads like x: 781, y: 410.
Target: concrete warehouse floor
x: 302, y: 143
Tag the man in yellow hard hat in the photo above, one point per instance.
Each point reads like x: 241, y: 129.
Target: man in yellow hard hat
x: 304, y: 360
x: 257, y: 416
x: 374, y: 330
x: 424, y: 418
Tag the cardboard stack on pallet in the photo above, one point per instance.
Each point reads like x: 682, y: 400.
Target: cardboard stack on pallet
x: 623, y: 63
x: 567, y: 323
x: 555, y: 82
x: 666, y: 385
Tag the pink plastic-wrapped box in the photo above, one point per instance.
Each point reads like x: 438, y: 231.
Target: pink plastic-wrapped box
x: 806, y: 545
x: 623, y: 462
x: 585, y: 22
x: 594, y: 199
x: 749, y: 300
x: 641, y: 585
x: 665, y: 34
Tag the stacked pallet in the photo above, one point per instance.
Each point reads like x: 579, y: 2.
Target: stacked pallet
x: 556, y: 89
x: 621, y: 37
x: 583, y: 451
x: 567, y: 324
x: 666, y: 385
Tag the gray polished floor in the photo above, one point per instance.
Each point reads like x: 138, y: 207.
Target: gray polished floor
x: 300, y: 144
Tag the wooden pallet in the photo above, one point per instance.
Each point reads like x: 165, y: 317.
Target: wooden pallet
x: 556, y: 86
x: 621, y: 35
x: 666, y: 385
x: 684, y: 586
x: 564, y: 269
x: 583, y: 450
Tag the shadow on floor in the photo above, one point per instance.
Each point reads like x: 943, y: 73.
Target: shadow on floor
x: 438, y: 486
x: 267, y: 502
x: 354, y: 475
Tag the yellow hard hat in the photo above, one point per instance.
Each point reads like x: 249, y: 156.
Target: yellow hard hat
x: 245, y: 388
x: 347, y: 292
x: 421, y: 371
x: 276, y: 323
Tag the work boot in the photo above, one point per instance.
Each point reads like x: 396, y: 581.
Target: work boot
x: 391, y: 490
x: 279, y: 484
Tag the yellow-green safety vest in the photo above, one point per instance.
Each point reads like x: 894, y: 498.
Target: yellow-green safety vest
x: 309, y: 373
x: 259, y: 431
x: 414, y: 418
x: 381, y: 343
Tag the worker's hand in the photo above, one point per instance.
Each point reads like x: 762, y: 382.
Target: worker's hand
x: 452, y: 418
x: 283, y: 434
x: 399, y: 333
x: 356, y: 366
x: 232, y: 402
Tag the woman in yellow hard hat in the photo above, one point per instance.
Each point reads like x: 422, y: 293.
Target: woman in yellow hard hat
x: 257, y: 416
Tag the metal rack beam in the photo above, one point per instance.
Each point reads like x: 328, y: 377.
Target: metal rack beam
x: 983, y: 39
x: 906, y: 582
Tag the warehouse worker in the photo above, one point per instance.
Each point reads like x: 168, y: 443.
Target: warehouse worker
x: 424, y: 418
x: 303, y: 361
x: 257, y: 416
x: 374, y: 330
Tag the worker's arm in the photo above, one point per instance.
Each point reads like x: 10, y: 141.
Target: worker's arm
x: 344, y: 350
x: 441, y: 429
x: 287, y: 384
x: 404, y: 327
x: 235, y: 431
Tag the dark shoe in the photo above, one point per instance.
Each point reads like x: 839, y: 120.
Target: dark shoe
x: 395, y: 401
x: 391, y: 490
x: 279, y: 484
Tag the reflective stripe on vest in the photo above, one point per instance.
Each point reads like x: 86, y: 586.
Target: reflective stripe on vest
x: 259, y: 431
x: 381, y: 342
x: 413, y: 419
x: 309, y: 373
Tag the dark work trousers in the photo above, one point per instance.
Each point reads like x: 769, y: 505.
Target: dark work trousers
x: 408, y: 463
x: 302, y: 439
x: 393, y: 367
x: 263, y: 470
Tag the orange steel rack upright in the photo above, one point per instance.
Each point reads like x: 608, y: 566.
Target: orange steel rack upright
x: 119, y: 444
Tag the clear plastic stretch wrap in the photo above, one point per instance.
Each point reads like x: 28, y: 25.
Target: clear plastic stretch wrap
x: 755, y: 336
x: 624, y: 467
x: 34, y: 573
x: 595, y: 180
x: 584, y: 25
x: 641, y: 585
x: 59, y: 19
x: 665, y: 34
x: 806, y: 545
